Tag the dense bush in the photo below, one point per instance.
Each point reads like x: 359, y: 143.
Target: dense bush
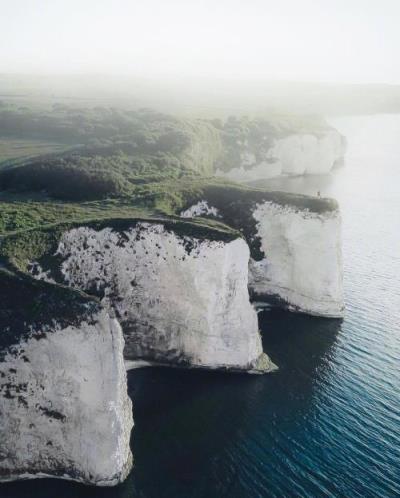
x: 64, y: 180
x: 243, y: 134
x: 144, y: 130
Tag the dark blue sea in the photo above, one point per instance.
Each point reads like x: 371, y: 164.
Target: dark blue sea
x: 328, y: 423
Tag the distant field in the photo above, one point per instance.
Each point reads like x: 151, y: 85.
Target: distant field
x: 12, y: 149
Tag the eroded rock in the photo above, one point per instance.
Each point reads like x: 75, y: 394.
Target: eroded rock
x: 64, y: 407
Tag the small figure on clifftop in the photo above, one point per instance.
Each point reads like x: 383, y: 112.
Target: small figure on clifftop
x: 318, y: 194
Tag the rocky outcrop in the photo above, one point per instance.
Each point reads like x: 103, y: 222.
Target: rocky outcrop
x: 293, y: 154
x: 307, y: 154
x: 64, y: 407
x: 302, y: 266
x: 200, y: 209
x: 180, y: 292
x: 295, y: 244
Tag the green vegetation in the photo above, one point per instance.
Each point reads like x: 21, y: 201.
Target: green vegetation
x: 24, y: 211
x: 114, y: 152
x: 123, y: 166
x: 16, y: 150
x: 111, y: 152
x: 243, y: 135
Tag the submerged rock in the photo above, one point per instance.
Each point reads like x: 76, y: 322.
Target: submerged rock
x: 64, y: 407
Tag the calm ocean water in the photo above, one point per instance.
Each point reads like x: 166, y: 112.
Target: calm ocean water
x: 328, y: 423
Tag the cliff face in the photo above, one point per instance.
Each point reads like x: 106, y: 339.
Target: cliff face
x: 181, y: 299
x: 293, y: 154
x: 64, y: 406
x: 295, y: 244
x: 303, y: 261
x: 308, y: 154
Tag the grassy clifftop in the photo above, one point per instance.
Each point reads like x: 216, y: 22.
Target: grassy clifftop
x: 17, y: 250
x: 25, y: 211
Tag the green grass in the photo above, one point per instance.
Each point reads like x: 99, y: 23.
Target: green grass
x: 25, y: 213
x: 13, y: 150
x: 21, y: 211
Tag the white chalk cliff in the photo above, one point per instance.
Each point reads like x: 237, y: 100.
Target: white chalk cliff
x: 181, y: 300
x: 296, y: 257
x: 64, y: 407
x: 295, y: 154
x: 303, y: 259
x: 308, y: 154
x: 200, y: 209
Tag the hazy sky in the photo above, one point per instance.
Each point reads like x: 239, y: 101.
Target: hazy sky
x: 323, y: 40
